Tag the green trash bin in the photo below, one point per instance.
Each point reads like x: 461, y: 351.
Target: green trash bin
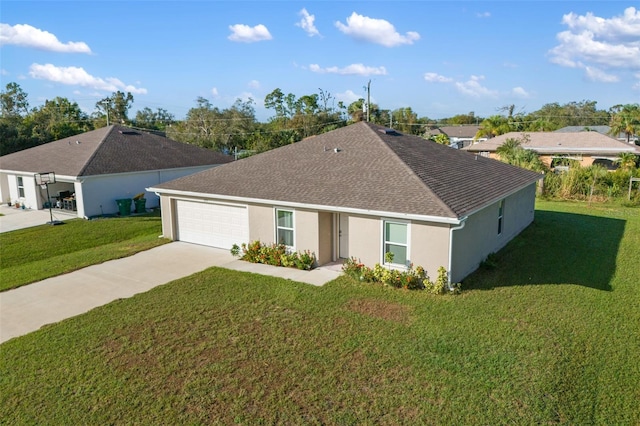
x: 124, y: 206
x: 141, y: 205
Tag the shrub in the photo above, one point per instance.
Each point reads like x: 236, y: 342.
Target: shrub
x: 274, y: 254
x: 409, y: 279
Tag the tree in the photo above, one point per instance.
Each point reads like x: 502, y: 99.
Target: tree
x: 15, y: 134
x: 512, y: 152
x: 625, y: 119
x: 440, y: 138
x: 13, y: 101
x: 627, y: 161
x: 159, y: 119
x: 57, y: 119
x: 209, y: 127
x: 493, y: 126
x: 113, y: 109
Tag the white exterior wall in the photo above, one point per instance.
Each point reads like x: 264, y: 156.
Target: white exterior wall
x: 104, y: 190
x: 479, y: 237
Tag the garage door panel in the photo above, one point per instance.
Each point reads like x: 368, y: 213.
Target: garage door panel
x: 216, y: 225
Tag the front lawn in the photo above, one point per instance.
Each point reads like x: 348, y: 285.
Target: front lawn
x: 33, y: 254
x: 537, y: 340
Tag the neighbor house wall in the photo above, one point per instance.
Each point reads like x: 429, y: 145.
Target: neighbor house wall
x: 479, y: 237
x: 99, y: 193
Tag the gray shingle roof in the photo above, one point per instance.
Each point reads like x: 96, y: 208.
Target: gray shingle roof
x: 561, y: 143
x: 371, y: 171
x: 111, y: 149
x: 462, y: 131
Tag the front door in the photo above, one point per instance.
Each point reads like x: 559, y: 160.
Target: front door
x: 343, y: 236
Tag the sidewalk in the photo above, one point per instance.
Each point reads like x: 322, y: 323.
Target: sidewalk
x: 28, y: 308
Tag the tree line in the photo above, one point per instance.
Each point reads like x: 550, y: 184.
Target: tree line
x: 236, y: 128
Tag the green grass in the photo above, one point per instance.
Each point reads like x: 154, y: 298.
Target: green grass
x: 33, y: 254
x: 537, y: 340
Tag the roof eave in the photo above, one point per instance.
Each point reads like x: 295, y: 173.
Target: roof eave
x: 339, y: 209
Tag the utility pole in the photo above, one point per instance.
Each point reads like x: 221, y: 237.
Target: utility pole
x: 368, y: 99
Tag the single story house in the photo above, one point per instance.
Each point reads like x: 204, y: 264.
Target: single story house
x: 587, y: 148
x: 358, y: 191
x: 459, y: 136
x: 605, y: 130
x: 96, y: 168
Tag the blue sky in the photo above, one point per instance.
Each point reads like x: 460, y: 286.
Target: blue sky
x: 440, y: 58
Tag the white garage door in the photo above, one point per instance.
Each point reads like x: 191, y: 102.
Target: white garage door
x: 215, y: 225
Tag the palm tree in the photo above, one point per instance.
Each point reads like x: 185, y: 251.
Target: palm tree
x: 508, y: 150
x: 627, y: 161
x: 493, y: 126
x: 625, y: 119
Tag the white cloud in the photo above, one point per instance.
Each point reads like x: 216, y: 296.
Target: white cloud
x: 4, y: 72
x: 74, y: 76
x: 214, y: 92
x: 596, y: 74
x: 472, y: 87
x: 254, y: 84
x: 353, y: 69
x: 483, y: 15
x: 433, y: 77
x: 593, y: 43
x: 27, y: 36
x: 307, y: 23
x: 246, y: 34
x: 348, y: 97
x: 376, y: 31
x: 520, y: 92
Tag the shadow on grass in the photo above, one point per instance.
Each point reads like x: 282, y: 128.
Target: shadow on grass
x: 557, y: 248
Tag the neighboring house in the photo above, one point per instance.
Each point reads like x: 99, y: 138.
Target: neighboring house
x: 459, y: 136
x: 600, y: 129
x: 358, y: 191
x: 96, y: 168
x: 555, y: 147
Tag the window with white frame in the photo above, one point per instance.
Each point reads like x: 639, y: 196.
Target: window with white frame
x: 284, y: 227
x: 20, y: 187
x: 396, y: 242
x: 500, y: 215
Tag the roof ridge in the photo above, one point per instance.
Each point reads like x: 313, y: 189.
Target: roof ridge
x: 412, y: 172
x: 95, y: 151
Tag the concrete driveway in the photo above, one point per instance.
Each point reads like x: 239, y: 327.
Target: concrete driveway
x: 28, y: 308
x: 13, y: 218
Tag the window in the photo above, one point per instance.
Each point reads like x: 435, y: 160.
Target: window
x: 395, y: 241
x: 284, y: 227
x: 20, y: 187
x: 500, y: 215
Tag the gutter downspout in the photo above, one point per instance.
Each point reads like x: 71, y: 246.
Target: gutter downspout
x: 463, y: 221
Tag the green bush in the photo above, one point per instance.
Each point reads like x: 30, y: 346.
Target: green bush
x: 409, y: 279
x: 275, y: 255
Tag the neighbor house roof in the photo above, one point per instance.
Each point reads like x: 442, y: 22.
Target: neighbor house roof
x: 367, y: 167
x: 108, y: 150
x: 463, y: 131
x: 592, y: 143
x: 600, y: 129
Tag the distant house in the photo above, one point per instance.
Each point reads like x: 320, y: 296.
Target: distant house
x: 96, y: 168
x: 359, y: 191
x: 600, y: 129
x: 459, y: 136
x: 586, y: 148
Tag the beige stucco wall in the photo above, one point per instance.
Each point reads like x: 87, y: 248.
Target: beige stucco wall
x: 365, y: 240
x: 261, y: 223
x: 479, y: 237
x: 325, y: 237
x: 429, y: 246
x: 166, y: 209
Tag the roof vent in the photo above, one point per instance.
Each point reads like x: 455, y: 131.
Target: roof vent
x: 129, y: 132
x: 388, y: 131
